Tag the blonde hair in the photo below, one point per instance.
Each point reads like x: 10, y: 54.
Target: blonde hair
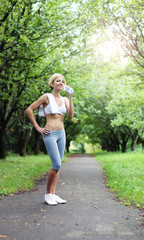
x: 55, y: 76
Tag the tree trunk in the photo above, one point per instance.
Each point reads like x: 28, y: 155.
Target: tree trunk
x: 124, y: 146
x: 43, y: 148
x: 143, y: 146
x: 22, y: 150
x: 124, y: 138
x: 23, y: 139
x: 36, y: 142
x: 134, y: 140
x: 67, y: 146
x: 2, y: 146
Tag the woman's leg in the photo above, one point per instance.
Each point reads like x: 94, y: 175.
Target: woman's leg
x: 53, y: 151
x: 61, y: 143
x: 55, y: 145
x: 53, y: 174
x: 52, y: 180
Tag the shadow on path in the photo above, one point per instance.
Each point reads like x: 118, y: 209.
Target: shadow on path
x: 91, y: 212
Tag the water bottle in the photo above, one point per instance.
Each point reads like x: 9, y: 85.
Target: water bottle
x: 68, y: 89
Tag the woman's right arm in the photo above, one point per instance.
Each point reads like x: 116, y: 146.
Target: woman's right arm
x: 42, y: 100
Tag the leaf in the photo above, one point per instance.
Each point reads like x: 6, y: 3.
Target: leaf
x: 43, y: 210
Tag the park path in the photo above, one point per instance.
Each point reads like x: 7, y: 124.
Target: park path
x: 91, y: 211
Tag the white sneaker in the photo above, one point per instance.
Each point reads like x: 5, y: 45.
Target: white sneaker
x: 50, y: 199
x: 58, y: 199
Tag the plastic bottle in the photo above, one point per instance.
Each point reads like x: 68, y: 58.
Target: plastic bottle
x: 68, y: 89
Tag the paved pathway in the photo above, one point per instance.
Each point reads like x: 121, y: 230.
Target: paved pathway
x: 91, y: 211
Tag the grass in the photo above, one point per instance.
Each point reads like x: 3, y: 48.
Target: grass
x: 125, y: 175
x: 19, y: 173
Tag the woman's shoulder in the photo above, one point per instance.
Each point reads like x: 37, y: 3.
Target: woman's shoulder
x: 43, y: 98
x: 46, y: 95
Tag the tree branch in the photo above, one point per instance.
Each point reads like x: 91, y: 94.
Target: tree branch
x: 8, y: 13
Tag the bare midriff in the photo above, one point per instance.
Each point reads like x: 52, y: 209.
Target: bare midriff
x: 54, y: 121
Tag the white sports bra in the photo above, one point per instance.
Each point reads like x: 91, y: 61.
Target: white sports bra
x: 52, y: 107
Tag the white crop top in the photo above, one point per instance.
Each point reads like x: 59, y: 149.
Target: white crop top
x: 52, y: 107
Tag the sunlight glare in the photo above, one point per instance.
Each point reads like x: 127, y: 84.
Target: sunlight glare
x: 110, y: 49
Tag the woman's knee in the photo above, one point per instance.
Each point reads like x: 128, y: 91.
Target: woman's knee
x: 57, y: 166
x: 55, y: 171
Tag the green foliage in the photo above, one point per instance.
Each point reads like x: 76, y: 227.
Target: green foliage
x: 31, y: 31
x: 125, y: 175
x: 35, y: 37
x: 125, y: 19
x: 73, y: 128
x: 39, y: 38
x: 127, y: 104
x: 108, y: 85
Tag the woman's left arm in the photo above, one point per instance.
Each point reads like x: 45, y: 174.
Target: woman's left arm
x: 69, y: 105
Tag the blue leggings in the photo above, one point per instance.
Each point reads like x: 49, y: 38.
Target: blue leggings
x: 55, y: 145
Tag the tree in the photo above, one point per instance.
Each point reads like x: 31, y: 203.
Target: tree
x: 39, y: 38
x: 125, y: 19
x: 127, y: 108
x: 73, y: 128
x: 32, y: 31
x: 22, y: 131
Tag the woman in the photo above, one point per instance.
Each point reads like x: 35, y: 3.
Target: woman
x: 53, y: 107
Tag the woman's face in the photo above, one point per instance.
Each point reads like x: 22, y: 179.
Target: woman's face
x: 58, y: 83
